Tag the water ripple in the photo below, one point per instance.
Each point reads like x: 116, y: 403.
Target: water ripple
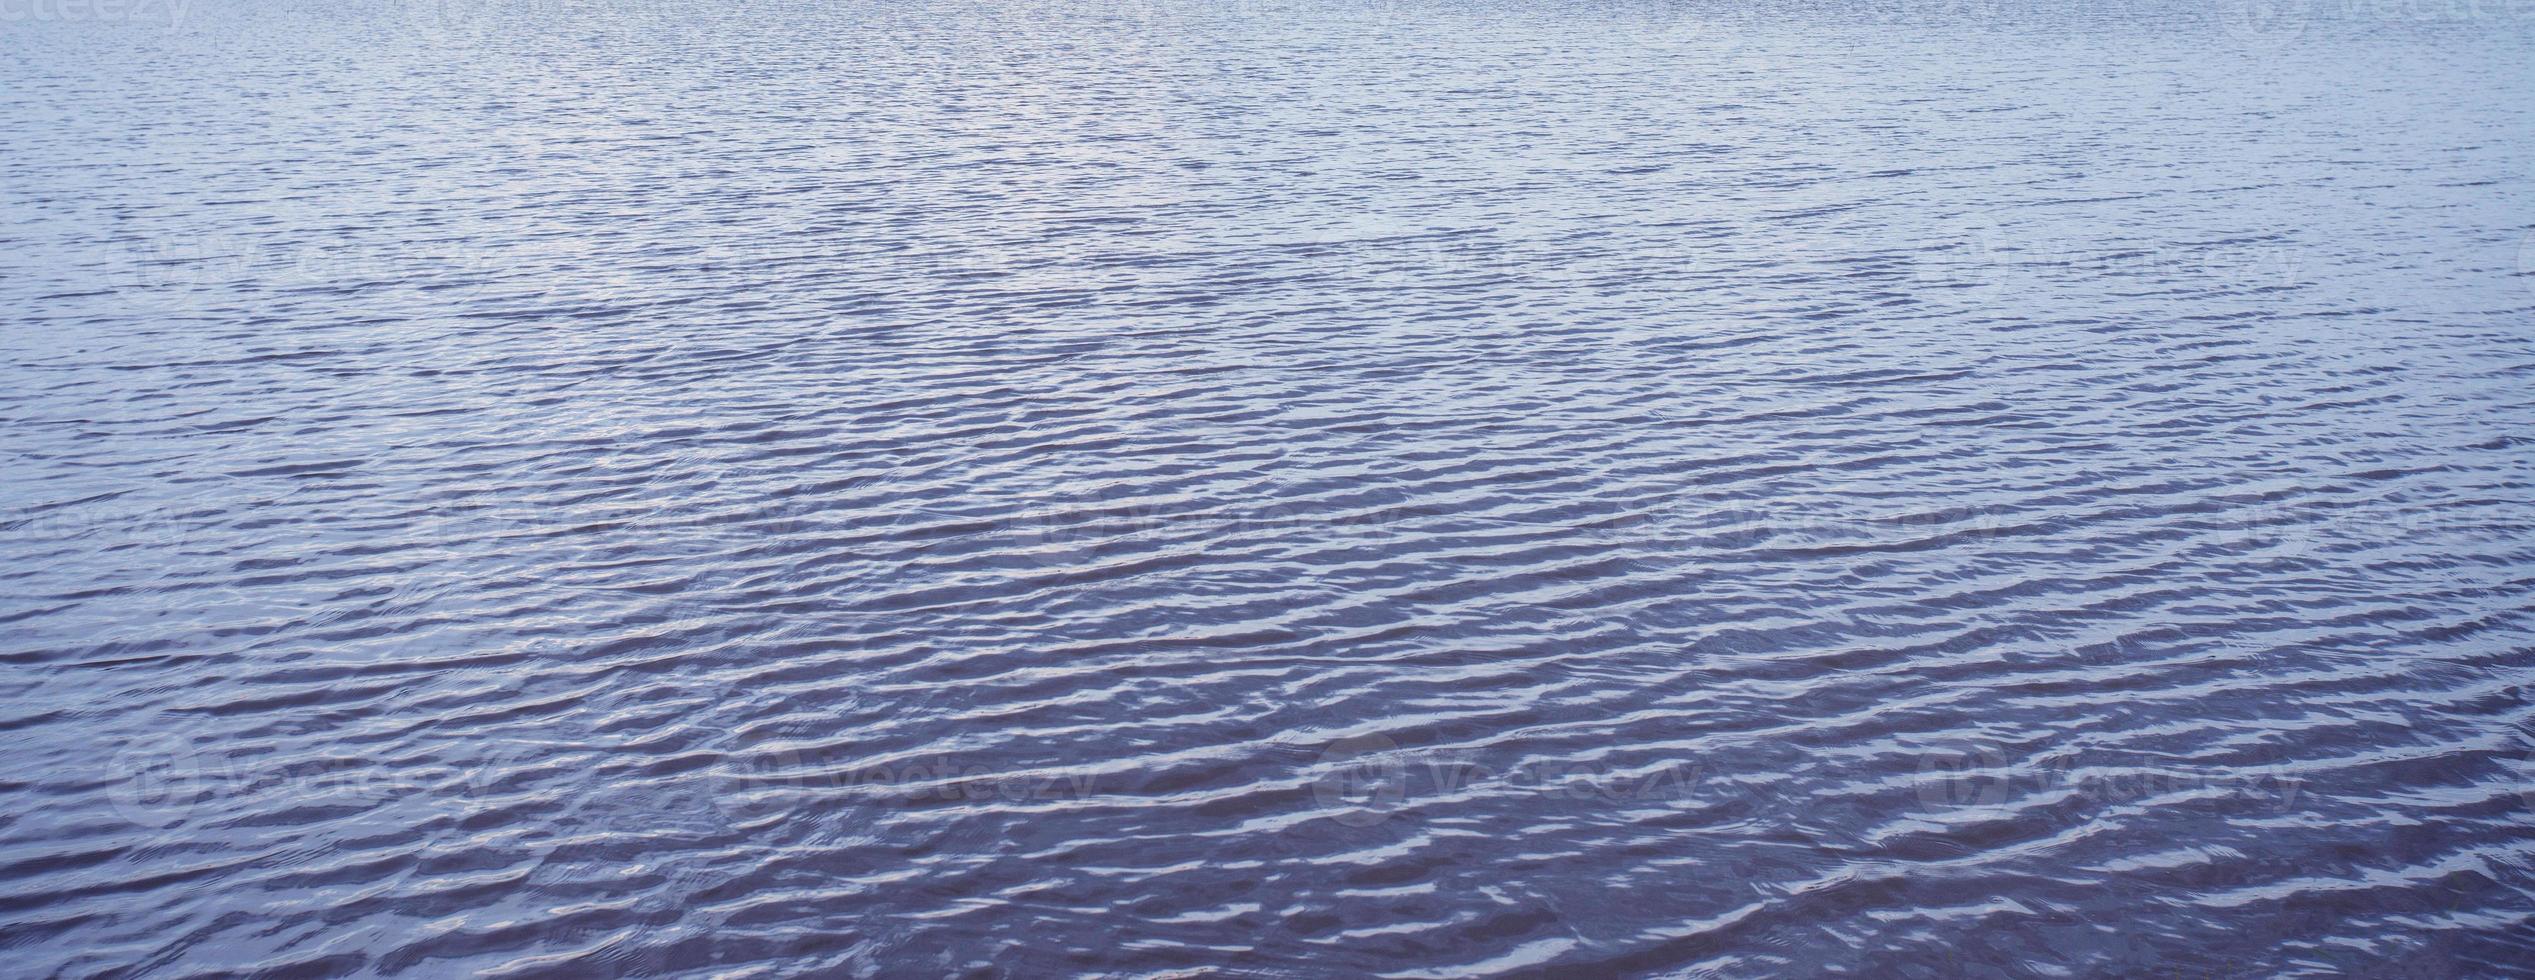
x: 1330, y: 486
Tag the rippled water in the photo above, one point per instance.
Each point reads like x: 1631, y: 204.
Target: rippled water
x: 1305, y: 488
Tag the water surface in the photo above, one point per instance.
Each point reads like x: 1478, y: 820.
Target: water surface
x: 1314, y: 488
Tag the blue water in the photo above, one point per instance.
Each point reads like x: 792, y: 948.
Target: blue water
x: 1312, y: 488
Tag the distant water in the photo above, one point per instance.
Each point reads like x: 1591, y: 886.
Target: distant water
x: 1316, y: 488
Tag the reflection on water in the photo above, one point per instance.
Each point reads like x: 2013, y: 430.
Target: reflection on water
x: 1317, y: 487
